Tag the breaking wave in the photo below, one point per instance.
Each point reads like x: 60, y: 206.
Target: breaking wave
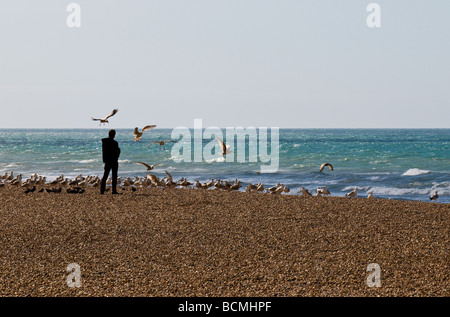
x: 415, y: 172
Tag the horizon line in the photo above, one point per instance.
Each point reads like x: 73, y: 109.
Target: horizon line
x: 281, y: 128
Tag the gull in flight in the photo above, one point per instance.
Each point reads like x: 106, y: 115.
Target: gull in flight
x: 149, y: 167
x: 353, y: 193
x: 161, y: 143
x: 434, y: 196
x: 225, y: 147
x: 105, y: 119
x: 138, y: 135
x: 326, y: 164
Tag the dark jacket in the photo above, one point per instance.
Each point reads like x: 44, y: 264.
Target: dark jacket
x: 111, y: 150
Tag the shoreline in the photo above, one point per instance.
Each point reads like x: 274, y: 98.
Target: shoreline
x: 187, y: 242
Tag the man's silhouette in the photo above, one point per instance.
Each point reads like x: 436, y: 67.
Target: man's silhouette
x: 111, y: 153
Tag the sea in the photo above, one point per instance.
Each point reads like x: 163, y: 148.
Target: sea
x: 403, y: 164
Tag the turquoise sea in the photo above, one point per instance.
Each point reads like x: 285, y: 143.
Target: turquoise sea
x: 402, y: 164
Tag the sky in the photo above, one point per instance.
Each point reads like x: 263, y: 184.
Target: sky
x: 231, y: 63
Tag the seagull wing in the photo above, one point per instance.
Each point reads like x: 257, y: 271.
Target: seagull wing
x: 153, y: 178
x: 148, y: 127
x: 111, y: 114
x: 170, y: 176
x: 146, y: 165
x: 151, y: 143
x: 325, y: 164
x: 95, y: 119
x: 222, y: 145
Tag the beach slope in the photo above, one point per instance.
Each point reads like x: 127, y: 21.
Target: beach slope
x: 187, y: 242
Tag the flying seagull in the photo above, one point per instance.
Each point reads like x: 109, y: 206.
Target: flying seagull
x: 138, y: 135
x: 105, y: 119
x: 434, y: 196
x: 149, y: 167
x: 325, y: 164
x: 225, y: 147
x: 161, y: 143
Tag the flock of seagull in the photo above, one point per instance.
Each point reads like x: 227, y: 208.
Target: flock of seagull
x: 78, y: 184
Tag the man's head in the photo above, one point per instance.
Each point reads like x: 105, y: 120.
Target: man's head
x: 112, y: 134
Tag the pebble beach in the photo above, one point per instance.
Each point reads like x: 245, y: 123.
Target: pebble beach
x: 158, y: 242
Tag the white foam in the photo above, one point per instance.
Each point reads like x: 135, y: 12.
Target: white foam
x: 87, y: 161
x: 216, y: 159
x: 443, y: 191
x: 360, y: 188
x: 415, y: 172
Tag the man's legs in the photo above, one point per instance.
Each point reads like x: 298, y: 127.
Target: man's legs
x: 105, y: 177
x: 115, y: 168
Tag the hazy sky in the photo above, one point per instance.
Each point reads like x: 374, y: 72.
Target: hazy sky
x: 275, y: 63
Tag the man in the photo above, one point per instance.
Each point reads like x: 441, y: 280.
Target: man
x: 111, y: 153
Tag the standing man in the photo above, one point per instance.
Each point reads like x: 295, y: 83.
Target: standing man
x: 111, y: 153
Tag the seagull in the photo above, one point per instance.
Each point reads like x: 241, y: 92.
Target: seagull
x: 274, y: 188
x: 10, y: 177
x: 326, y: 164
x: 149, y: 167
x: 168, y: 175
x: 236, y: 185
x: 225, y: 148
x: 277, y: 190
x: 353, y: 193
x: 138, y: 135
x: 105, y: 119
x: 260, y: 187
x: 183, y: 182
x: 155, y: 180
x: 250, y: 187
x: 434, y: 196
x: 322, y: 191
x: 16, y: 181
x: 199, y: 185
x: 161, y: 143
x: 370, y: 195
x: 210, y: 184
x: 305, y: 192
